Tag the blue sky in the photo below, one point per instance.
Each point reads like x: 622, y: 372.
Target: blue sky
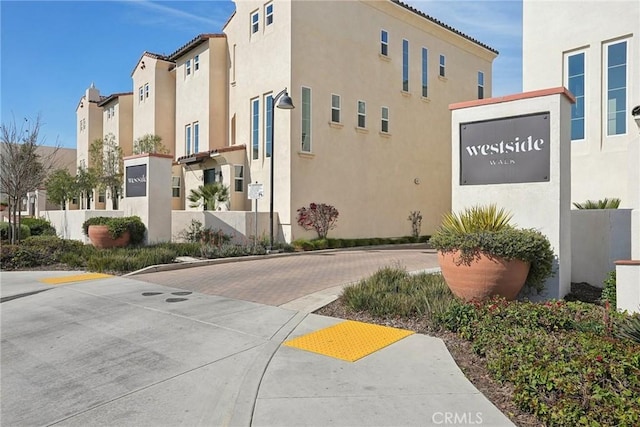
x: 51, y: 51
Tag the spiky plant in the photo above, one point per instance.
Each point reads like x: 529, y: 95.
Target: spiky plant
x: 605, y: 203
x: 629, y: 328
x: 477, y: 219
x: 209, y: 196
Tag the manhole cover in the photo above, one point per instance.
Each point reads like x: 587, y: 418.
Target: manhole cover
x: 176, y: 299
x: 150, y: 294
x: 181, y: 293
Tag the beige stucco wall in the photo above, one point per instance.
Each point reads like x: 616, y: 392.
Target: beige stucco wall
x: 602, y: 166
x: 156, y: 114
x: 88, y: 111
x: 362, y: 173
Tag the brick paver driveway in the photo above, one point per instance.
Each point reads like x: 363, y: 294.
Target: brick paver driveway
x: 278, y: 279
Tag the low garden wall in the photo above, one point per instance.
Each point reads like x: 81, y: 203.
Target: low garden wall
x: 68, y: 223
x: 240, y: 225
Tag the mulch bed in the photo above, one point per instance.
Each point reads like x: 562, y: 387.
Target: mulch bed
x: 473, y: 366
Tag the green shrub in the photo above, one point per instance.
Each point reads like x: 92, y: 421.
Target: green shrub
x: 123, y: 260
x: 181, y: 249
x: 39, y: 226
x: 319, y: 244
x: 5, y: 231
x: 605, y: 203
x: 392, y: 291
x: 609, y: 289
x: 334, y: 243
x: 628, y: 328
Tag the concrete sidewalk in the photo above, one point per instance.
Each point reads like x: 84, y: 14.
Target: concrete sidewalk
x: 122, y: 352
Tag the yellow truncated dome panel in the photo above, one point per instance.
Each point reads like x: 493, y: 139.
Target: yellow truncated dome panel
x: 75, y: 278
x: 348, y: 340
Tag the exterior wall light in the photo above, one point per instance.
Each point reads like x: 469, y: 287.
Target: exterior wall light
x: 636, y: 115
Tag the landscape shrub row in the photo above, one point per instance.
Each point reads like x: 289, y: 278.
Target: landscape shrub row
x: 329, y: 243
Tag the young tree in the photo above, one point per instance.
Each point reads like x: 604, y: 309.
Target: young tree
x: 149, y: 143
x: 208, y: 196
x: 23, y: 164
x: 86, y: 181
x: 61, y: 187
x: 106, y: 162
x: 319, y: 217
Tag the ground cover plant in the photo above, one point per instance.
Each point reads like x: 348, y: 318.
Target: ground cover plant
x: 554, y: 363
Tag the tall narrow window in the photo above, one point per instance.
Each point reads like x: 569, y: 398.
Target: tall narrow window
x: 268, y: 14
x: 238, y: 178
x: 196, y: 63
x: 362, y: 114
x: 335, y: 108
x: 480, y: 85
x: 617, y: 88
x: 146, y: 90
x: 306, y: 120
x: 384, y: 125
x: 405, y: 65
x: 255, y: 126
x: 175, y: 186
x: 196, y: 137
x: 188, y: 67
x: 268, y: 123
x: 442, y: 66
x: 187, y: 139
x: 255, y: 22
x: 384, y: 43
x: 575, y: 76
x: 141, y: 94
x: 425, y: 73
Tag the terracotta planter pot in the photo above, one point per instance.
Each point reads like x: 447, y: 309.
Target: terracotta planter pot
x: 101, y: 239
x: 484, y: 277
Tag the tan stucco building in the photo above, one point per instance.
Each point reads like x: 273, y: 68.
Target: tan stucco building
x: 370, y: 133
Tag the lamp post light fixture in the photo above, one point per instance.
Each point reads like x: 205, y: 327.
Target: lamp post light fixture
x: 285, y: 104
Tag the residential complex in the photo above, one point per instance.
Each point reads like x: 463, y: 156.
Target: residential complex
x: 370, y: 131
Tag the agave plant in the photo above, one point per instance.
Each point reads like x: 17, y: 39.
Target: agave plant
x: 477, y: 219
x: 209, y: 196
x: 605, y: 203
x: 629, y: 328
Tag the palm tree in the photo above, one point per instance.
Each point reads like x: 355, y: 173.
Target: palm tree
x: 209, y: 196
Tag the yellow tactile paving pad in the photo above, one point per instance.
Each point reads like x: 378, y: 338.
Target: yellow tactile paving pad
x: 348, y: 340
x: 75, y: 278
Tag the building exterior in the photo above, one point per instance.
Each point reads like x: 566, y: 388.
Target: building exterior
x: 369, y: 135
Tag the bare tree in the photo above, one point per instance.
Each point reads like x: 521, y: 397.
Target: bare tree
x: 24, y: 164
x: 149, y: 143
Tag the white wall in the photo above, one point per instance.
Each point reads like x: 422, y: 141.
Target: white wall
x: 239, y: 225
x: 68, y: 223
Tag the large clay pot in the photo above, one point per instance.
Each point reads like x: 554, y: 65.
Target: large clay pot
x: 101, y: 239
x: 483, y: 277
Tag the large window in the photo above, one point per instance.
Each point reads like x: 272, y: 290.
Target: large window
x: 362, y: 114
x: 268, y: 123
x: 255, y: 127
x: 616, y: 66
x: 480, y: 85
x: 442, y: 66
x: 384, y: 125
x: 268, y: 14
x: 576, y: 79
x: 306, y: 119
x: 187, y: 139
x: 196, y: 137
x: 425, y: 73
x: 405, y: 65
x: 255, y: 22
x: 175, y: 186
x: 384, y: 43
x: 335, y: 108
x: 238, y: 178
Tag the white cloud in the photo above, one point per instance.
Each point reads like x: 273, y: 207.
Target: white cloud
x: 171, y: 14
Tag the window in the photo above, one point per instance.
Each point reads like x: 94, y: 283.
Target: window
x: 425, y: 74
x: 196, y: 63
x: 616, y: 79
x: 108, y: 113
x: 442, y: 64
x: 575, y: 77
x: 209, y: 176
x: 196, y: 137
x: 362, y: 114
x: 405, y: 65
x: 384, y: 125
x: 335, y: 108
x: 384, y: 43
x: 187, y: 138
x: 175, y: 186
x: 480, y: 85
x: 255, y: 127
x: 83, y: 125
x: 268, y: 122
x: 255, y: 22
x: 140, y: 94
x: 239, y: 178
x: 188, y: 67
x: 146, y: 90
x: 102, y: 196
x: 306, y: 119
x: 268, y: 14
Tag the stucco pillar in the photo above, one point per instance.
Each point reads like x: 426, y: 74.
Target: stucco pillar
x: 147, y: 193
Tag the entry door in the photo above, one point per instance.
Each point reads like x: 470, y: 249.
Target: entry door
x: 209, y: 176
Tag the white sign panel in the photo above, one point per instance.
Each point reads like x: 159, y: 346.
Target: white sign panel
x: 256, y: 191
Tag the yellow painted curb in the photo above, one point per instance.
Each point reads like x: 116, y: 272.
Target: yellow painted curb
x: 348, y: 340
x: 74, y: 278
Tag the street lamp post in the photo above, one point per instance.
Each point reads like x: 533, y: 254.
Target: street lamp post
x: 285, y: 104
